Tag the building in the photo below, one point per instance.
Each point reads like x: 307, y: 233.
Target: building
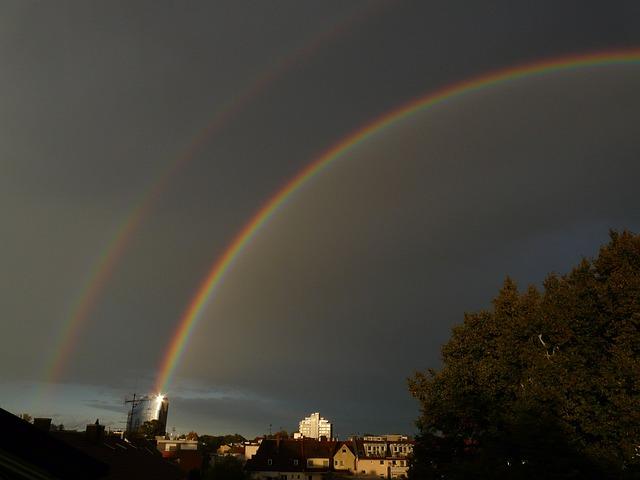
x: 125, y: 459
x: 28, y: 451
x: 182, y: 452
x: 310, y: 459
x: 314, y: 426
x: 32, y: 452
x: 385, y: 456
x: 148, y: 408
x: 165, y: 445
x: 304, y: 459
x: 251, y: 448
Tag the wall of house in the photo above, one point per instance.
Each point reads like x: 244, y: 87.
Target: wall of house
x: 383, y: 467
x: 250, y: 451
x: 318, y: 462
x: 344, y: 459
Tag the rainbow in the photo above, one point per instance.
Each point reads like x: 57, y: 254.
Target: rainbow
x: 120, y: 240
x: 222, y: 265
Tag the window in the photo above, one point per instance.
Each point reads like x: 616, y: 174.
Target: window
x: 381, y: 462
x: 295, y: 461
x: 269, y: 462
x: 335, y: 462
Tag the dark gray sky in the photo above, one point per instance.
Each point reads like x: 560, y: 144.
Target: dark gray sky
x: 357, y: 281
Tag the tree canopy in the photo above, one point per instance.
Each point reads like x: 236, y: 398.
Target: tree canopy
x: 545, y: 384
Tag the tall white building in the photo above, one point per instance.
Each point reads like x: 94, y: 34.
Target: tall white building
x: 314, y: 426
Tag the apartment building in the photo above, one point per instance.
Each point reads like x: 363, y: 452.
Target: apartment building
x: 315, y: 426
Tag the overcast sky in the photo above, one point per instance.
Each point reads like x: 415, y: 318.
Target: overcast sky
x: 358, y: 279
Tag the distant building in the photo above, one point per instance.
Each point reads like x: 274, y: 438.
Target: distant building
x: 314, y: 426
x: 146, y: 409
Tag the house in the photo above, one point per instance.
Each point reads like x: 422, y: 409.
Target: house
x: 125, y: 459
x: 345, y: 459
x: 303, y: 459
x: 374, y: 457
x: 182, y: 452
x: 29, y: 452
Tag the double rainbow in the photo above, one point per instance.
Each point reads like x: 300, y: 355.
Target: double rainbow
x: 114, y: 249
x: 221, y: 266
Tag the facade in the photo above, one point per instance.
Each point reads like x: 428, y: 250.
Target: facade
x: 375, y: 456
x: 304, y: 459
x: 147, y: 409
x: 344, y: 459
x: 310, y: 459
x: 250, y: 449
x: 314, y: 426
x: 165, y: 446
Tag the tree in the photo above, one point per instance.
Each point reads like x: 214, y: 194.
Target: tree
x: 192, y: 435
x: 211, y: 443
x: 150, y: 429
x: 545, y: 384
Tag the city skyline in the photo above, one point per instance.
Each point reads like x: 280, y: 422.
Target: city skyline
x: 265, y: 212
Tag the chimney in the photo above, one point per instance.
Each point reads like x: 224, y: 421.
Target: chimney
x: 95, y: 432
x: 43, y: 424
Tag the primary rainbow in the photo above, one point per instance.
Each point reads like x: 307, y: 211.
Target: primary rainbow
x: 68, y: 335
x: 222, y: 265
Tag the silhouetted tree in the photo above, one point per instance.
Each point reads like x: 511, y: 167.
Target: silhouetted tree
x: 544, y: 385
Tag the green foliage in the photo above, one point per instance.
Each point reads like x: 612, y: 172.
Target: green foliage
x: 546, y: 384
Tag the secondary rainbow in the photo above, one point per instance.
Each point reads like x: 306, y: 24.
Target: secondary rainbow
x: 221, y: 266
x: 114, y: 249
